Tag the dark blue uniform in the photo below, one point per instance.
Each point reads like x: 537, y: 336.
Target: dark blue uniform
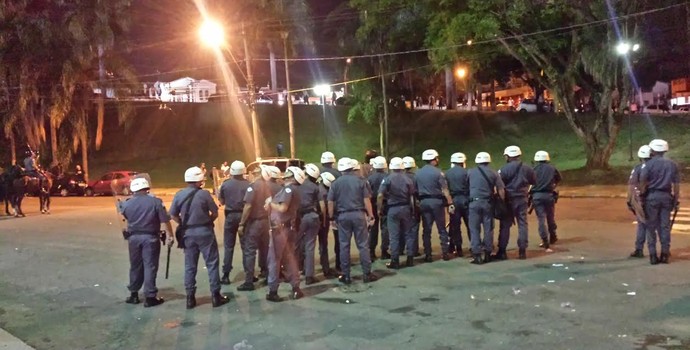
x: 323, y: 236
x: 659, y: 174
x: 458, y: 186
x: 199, y: 236
x: 375, y: 178
x: 430, y: 183
x: 416, y: 218
x: 256, y: 229
x: 517, y: 178
x: 633, y: 188
x: 144, y: 215
x: 397, y: 190
x: 231, y: 195
x: 282, y: 227
x: 309, y: 224
x: 544, y: 201
x: 481, y: 210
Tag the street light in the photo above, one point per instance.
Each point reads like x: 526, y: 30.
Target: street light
x: 323, y: 90
x: 623, y: 48
x: 347, y: 66
x: 461, y: 73
x: 212, y: 34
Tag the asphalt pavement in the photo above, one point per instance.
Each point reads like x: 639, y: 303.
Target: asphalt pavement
x: 63, y: 282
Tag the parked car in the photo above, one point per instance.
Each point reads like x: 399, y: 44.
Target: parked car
x: 656, y: 109
x: 69, y: 184
x: 281, y: 163
x: 119, y: 180
x: 530, y: 105
x: 264, y: 99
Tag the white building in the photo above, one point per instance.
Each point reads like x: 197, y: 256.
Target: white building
x: 657, y: 95
x: 182, y: 90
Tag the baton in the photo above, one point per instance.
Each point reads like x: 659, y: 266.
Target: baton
x: 673, y: 220
x: 167, y: 264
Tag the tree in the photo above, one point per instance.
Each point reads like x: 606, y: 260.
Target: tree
x: 580, y: 55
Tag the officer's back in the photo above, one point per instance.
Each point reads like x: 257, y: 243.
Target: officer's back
x: 480, y: 188
x: 199, y: 208
x: 256, y: 196
x: 661, y: 173
x: 547, y: 178
x: 144, y: 213
x: 348, y: 190
x: 457, y: 181
x: 517, y: 177
x: 232, y: 193
x: 429, y: 181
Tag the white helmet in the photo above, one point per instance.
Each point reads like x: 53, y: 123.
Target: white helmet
x: 659, y: 145
x: 482, y: 157
x: 429, y: 154
x: 297, y: 173
x: 265, y: 172
x: 644, y: 152
x: 344, y: 163
x: 327, y: 157
x: 408, y: 162
x: 275, y: 172
x: 396, y: 163
x: 379, y: 162
x: 237, y: 168
x: 458, y: 158
x: 139, y: 184
x: 512, y: 151
x: 312, y: 170
x: 193, y: 174
x: 542, y: 156
x: 327, y: 179
x: 355, y: 164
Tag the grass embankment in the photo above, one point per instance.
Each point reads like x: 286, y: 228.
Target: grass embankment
x: 165, y: 143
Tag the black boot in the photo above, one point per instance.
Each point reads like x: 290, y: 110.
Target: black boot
x: 637, y: 254
x: 500, y: 255
x: 273, y: 296
x: 445, y: 256
x: 544, y: 244
x: 410, y: 261
x: 218, y: 299
x: 663, y: 258
x: 487, y: 258
x: 345, y: 279
x: 191, y: 301
x: 370, y: 277
x: 133, y: 298
x: 458, y: 253
x: 310, y: 280
x: 553, y: 238
x: 653, y: 259
x: 296, y: 294
x: 477, y: 259
x: 385, y: 255
x: 428, y: 258
x: 151, y: 302
x: 394, y: 264
x: 225, y: 279
x: 522, y: 254
x: 245, y: 287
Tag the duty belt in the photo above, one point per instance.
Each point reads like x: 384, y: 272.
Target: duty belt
x: 350, y: 211
x: 152, y: 233
x: 458, y: 194
x: 303, y: 212
x: 422, y: 197
x: 398, y: 205
x: 479, y: 199
x: 208, y: 224
x: 232, y: 211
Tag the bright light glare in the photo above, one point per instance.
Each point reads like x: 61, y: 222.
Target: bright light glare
x: 623, y: 48
x: 212, y: 34
x: 461, y: 72
x: 469, y: 42
x: 349, y: 60
x: 636, y: 47
x: 322, y: 89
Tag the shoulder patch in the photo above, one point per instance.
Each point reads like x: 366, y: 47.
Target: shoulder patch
x: 643, y: 165
x: 288, y: 190
x: 249, y: 189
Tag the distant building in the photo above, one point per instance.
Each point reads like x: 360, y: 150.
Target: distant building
x: 657, y: 95
x: 181, y: 90
x: 680, y: 92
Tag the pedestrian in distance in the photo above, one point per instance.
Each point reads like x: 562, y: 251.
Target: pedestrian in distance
x: 544, y: 196
x: 144, y: 214
x: 232, y: 193
x: 660, y: 189
x: 195, y: 210
x: 633, y: 202
x: 485, y: 187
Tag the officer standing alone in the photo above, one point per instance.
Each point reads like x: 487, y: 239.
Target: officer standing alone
x: 231, y: 195
x: 283, y: 209
x: 198, y: 215
x: 483, y: 182
x: 660, y: 188
x: 634, y: 195
x: 459, y: 191
x: 432, y: 191
x: 145, y: 214
x: 544, y: 197
x: 517, y: 179
x: 398, y: 190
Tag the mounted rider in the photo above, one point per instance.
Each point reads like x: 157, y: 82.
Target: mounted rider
x: 32, y: 168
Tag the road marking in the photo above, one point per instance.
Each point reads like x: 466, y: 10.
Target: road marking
x: 682, y: 224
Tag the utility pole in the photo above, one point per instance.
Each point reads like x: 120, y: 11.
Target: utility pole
x: 288, y: 97
x: 252, y: 97
x: 385, y: 109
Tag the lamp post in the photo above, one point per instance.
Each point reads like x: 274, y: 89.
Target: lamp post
x: 461, y: 73
x: 623, y: 49
x: 291, y: 124
x: 347, y: 66
x: 322, y: 90
x: 213, y: 35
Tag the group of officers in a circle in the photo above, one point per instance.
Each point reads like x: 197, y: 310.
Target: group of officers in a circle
x: 280, y: 216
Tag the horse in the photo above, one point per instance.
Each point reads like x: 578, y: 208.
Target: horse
x: 23, y: 184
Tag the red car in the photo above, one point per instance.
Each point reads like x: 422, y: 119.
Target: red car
x: 119, y: 180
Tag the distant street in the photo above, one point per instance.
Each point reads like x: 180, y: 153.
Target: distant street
x: 63, y: 282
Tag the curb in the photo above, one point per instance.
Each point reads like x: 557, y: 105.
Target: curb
x: 10, y: 342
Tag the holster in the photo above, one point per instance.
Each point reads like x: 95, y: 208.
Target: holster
x: 126, y: 234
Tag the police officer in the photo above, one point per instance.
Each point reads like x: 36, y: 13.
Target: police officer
x: 310, y: 208
x: 660, y: 188
x: 633, y: 195
x: 198, y: 215
x: 326, y: 181
x: 544, y: 197
x: 327, y: 161
x: 231, y: 195
x: 457, y: 186
x: 32, y: 168
x: 398, y: 190
x: 483, y: 183
x: 517, y: 179
x: 374, y: 180
x: 432, y: 191
x: 348, y: 197
x: 254, y: 227
x: 144, y: 215
x: 283, y: 209
x: 409, y: 164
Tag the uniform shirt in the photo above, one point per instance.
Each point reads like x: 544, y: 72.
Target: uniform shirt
x: 660, y: 174
x: 232, y: 193
x: 202, y: 205
x: 288, y: 194
x: 335, y: 172
x: 310, y: 196
x: 375, y: 180
x: 430, y: 181
x: 634, y: 180
x: 29, y: 164
x: 144, y: 213
x: 479, y: 187
x: 517, y: 178
x: 275, y: 187
x: 457, y: 181
x: 349, y: 193
x: 547, y: 178
x: 256, y: 196
x: 397, y: 188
